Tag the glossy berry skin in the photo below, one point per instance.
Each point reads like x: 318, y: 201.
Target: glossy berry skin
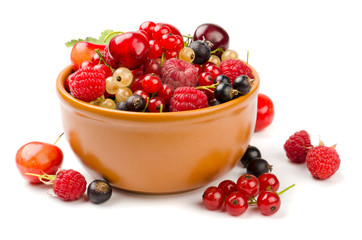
x: 228, y: 186
x: 38, y: 158
x: 224, y: 92
x: 83, y: 51
x: 156, y: 49
x: 242, y: 84
x: 159, y: 30
x: 151, y: 83
x: 268, y: 180
x: 205, y: 79
x: 202, y: 51
x: 213, y: 69
x: 156, y: 104
x: 248, y: 185
x: 258, y: 166
x: 165, y: 93
x: 213, y: 198
x: 236, y: 203
x: 148, y: 27
x: 168, y: 41
x: 222, y: 78
x: 135, y: 103
x: 268, y: 202
x: 99, y: 191
x: 173, y: 29
x: 152, y: 66
x: 129, y: 49
x: 265, y: 112
x: 251, y: 153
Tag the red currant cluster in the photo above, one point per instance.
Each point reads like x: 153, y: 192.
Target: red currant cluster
x: 163, y: 39
x: 247, y: 191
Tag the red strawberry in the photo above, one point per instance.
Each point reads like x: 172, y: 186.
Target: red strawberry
x: 323, y: 161
x: 187, y: 98
x: 234, y: 68
x: 87, y: 84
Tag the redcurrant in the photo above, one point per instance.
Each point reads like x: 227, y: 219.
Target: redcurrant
x: 171, y: 54
x: 152, y: 66
x: 165, y: 93
x: 168, y: 41
x: 159, y: 30
x: 213, y: 198
x: 142, y: 93
x: 268, y: 202
x: 148, y: 27
x: 155, y: 49
x: 248, y: 185
x: 227, y: 186
x: 156, y: 104
x: 179, y: 43
x: 268, y: 181
x: 236, y: 203
x: 136, y: 83
x: 151, y: 83
x: 213, y: 69
x: 205, y: 79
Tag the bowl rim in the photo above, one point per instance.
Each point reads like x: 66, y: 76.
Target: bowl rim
x: 64, y: 95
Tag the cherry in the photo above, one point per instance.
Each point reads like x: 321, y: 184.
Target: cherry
x: 136, y: 83
x: 213, y: 198
x: 228, y: 186
x: 214, y: 34
x: 236, y: 203
x: 38, y: 158
x: 156, y: 104
x: 129, y: 49
x: 152, y: 66
x: 268, y: 202
x: 248, y: 185
x: 265, y: 112
x: 83, y: 51
x: 151, y: 83
x: 268, y: 181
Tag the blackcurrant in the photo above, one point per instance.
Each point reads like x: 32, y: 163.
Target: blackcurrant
x: 224, y: 92
x: 202, y: 51
x: 242, y: 84
x: 251, y: 153
x: 99, y: 191
x: 121, y: 106
x: 258, y: 166
x: 222, y: 78
x: 135, y: 103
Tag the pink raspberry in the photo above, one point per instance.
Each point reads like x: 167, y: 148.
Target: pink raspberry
x: 297, y: 146
x: 323, y: 161
x: 69, y: 185
x: 187, y: 98
x: 234, y: 68
x: 178, y: 73
x: 87, y: 84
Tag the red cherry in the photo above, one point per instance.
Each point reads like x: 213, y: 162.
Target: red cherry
x: 38, y: 158
x: 236, y: 203
x: 268, y: 180
x: 165, y: 93
x: 268, y: 202
x: 156, y: 104
x: 129, y: 49
x: 227, y: 186
x: 213, y: 198
x: 159, y: 30
x: 156, y: 49
x: 83, y: 51
x: 265, y: 112
x: 151, y: 83
x: 152, y: 66
x: 248, y: 185
x: 136, y: 83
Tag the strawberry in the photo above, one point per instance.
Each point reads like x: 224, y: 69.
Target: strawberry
x: 323, y: 161
x: 87, y: 84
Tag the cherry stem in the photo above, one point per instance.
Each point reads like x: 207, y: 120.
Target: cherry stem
x: 188, y: 36
x: 102, y: 59
x: 111, y: 33
x: 58, y: 138
x: 50, y: 178
x: 247, y: 57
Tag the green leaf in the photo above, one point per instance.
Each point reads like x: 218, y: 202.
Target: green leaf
x: 99, y: 40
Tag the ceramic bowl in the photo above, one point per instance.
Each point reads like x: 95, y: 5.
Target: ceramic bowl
x: 158, y: 153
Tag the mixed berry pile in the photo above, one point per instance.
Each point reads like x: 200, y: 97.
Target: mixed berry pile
x: 157, y: 69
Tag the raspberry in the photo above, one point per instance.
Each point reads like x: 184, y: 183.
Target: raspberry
x: 297, y: 146
x: 323, y: 161
x: 187, y: 98
x: 69, y: 185
x: 234, y: 68
x: 87, y: 84
x: 178, y: 73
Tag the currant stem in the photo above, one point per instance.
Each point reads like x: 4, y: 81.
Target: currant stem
x: 217, y: 50
x: 283, y: 191
x: 148, y: 100
x: 58, y: 138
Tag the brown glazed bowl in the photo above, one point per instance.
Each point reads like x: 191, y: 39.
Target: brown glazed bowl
x: 158, y: 153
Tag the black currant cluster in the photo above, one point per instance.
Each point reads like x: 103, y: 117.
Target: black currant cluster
x: 254, y: 163
x: 226, y: 91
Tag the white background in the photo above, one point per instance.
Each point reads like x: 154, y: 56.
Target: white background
x: 308, y: 55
